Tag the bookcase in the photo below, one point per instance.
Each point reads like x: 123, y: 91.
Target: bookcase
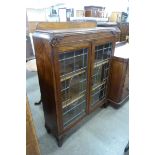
x: 73, y: 70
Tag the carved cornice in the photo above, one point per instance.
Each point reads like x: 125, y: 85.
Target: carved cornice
x: 55, y: 40
x: 113, y: 32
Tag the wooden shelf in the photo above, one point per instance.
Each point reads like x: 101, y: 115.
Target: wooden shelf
x: 99, y: 63
x: 72, y: 101
x: 72, y: 74
x: 98, y: 85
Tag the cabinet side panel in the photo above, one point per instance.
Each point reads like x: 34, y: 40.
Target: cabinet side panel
x: 125, y: 90
x: 117, y: 77
x: 46, y: 82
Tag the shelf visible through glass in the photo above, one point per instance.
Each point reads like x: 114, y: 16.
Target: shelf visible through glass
x: 73, y: 77
x: 100, y: 72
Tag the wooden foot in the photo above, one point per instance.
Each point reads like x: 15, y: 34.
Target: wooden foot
x: 38, y: 103
x: 47, y: 129
x: 60, y: 141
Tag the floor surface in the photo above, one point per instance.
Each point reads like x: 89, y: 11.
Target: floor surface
x: 106, y: 132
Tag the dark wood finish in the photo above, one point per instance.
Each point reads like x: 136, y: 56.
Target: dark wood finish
x: 32, y: 145
x: 47, y: 87
x: 64, y: 25
x: 111, y: 24
x: 49, y: 44
x: 119, y: 81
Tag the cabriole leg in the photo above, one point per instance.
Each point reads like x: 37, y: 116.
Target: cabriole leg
x: 60, y: 141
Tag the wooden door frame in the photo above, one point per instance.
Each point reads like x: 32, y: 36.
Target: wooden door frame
x: 97, y: 42
x: 67, y: 47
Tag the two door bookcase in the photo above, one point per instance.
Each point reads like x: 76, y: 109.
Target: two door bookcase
x: 73, y: 69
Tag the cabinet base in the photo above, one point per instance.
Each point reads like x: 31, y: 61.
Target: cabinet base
x: 117, y: 105
x: 59, y: 139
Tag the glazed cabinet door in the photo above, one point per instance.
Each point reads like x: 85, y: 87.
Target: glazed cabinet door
x: 73, y: 64
x: 101, y: 54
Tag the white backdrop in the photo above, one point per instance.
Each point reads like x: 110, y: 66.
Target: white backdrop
x: 115, y: 5
x: 111, y: 5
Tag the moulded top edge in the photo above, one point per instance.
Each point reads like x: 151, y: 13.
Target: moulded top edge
x: 44, y: 35
x: 79, y: 30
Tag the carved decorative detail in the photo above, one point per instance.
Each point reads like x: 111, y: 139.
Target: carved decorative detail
x: 113, y: 32
x: 55, y: 40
